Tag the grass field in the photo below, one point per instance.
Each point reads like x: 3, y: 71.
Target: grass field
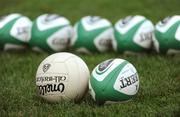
x: 159, y: 93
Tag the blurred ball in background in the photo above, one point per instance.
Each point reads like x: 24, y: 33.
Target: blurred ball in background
x: 50, y: 33
x: 133, y: 34
x: 92, y: 34
x: 167, y: 35
x: 14, y: 31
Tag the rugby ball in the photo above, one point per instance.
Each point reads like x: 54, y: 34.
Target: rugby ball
x: 114, y: 80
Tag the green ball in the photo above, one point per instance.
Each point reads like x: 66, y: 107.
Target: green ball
x: 92, y: 34
x: 14, y: 31
x: 114, y: 80
x: 133, y: 34
x: 167, y: 35
x: 50, y: 33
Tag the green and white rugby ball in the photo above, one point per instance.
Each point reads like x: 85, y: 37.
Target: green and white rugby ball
x: 167, y: 35
x: 113, y: 80
x: 50, y: 33
x: 133, y: 34
x: 92, y: 34
x: 14, y: 31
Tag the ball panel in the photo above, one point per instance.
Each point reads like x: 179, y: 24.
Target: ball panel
x: 103, y: 41
x: 5, y: 19
x: 62, y: 56
x: 143, y: 36
x: 60, y: 39
x: 83, y: 77
x: 21, y: 29
x: 91, y: 23
x: 124, y: 25
x: 74, y: 83
x: 48, y: 21
x: 125, y: 41
x: 127, y: 81
x: 165, y: 24
x: 101, y: 75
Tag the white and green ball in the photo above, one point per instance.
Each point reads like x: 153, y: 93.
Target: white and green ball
x: 92, y: 34
x: 14, y: 31
x: 113, y: 80
x: 50, y: 33
x: 167, y: 35
x: 133, y: 34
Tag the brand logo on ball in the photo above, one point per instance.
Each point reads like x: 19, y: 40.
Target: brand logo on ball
x: 127, y: 81
x: 46, y: 67
x: 105, y: 42
x: 50, y: 88
x: 125, y: 21
x: 49, y: 18
x: 164, y: 21
x: 104, y: 66
x: 93, y: 20
x: 146, y: 36
x: 22, y: 30
x: 58, y: 41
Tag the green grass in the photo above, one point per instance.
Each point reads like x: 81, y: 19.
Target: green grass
x: 159, y: 93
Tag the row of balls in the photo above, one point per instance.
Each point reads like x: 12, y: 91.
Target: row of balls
x: 54, y: 33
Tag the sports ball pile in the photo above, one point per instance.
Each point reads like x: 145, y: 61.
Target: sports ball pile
x: 65, y: 76
x: 91, y: 34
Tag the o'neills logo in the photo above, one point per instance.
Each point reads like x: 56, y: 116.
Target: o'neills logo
x: 46, y: 67
x: 44, y: 89
x: 104, y: 65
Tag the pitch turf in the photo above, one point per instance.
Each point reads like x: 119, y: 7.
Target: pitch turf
x: 159, y: 93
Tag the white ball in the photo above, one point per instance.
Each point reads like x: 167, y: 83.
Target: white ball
x: 62, y: 77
